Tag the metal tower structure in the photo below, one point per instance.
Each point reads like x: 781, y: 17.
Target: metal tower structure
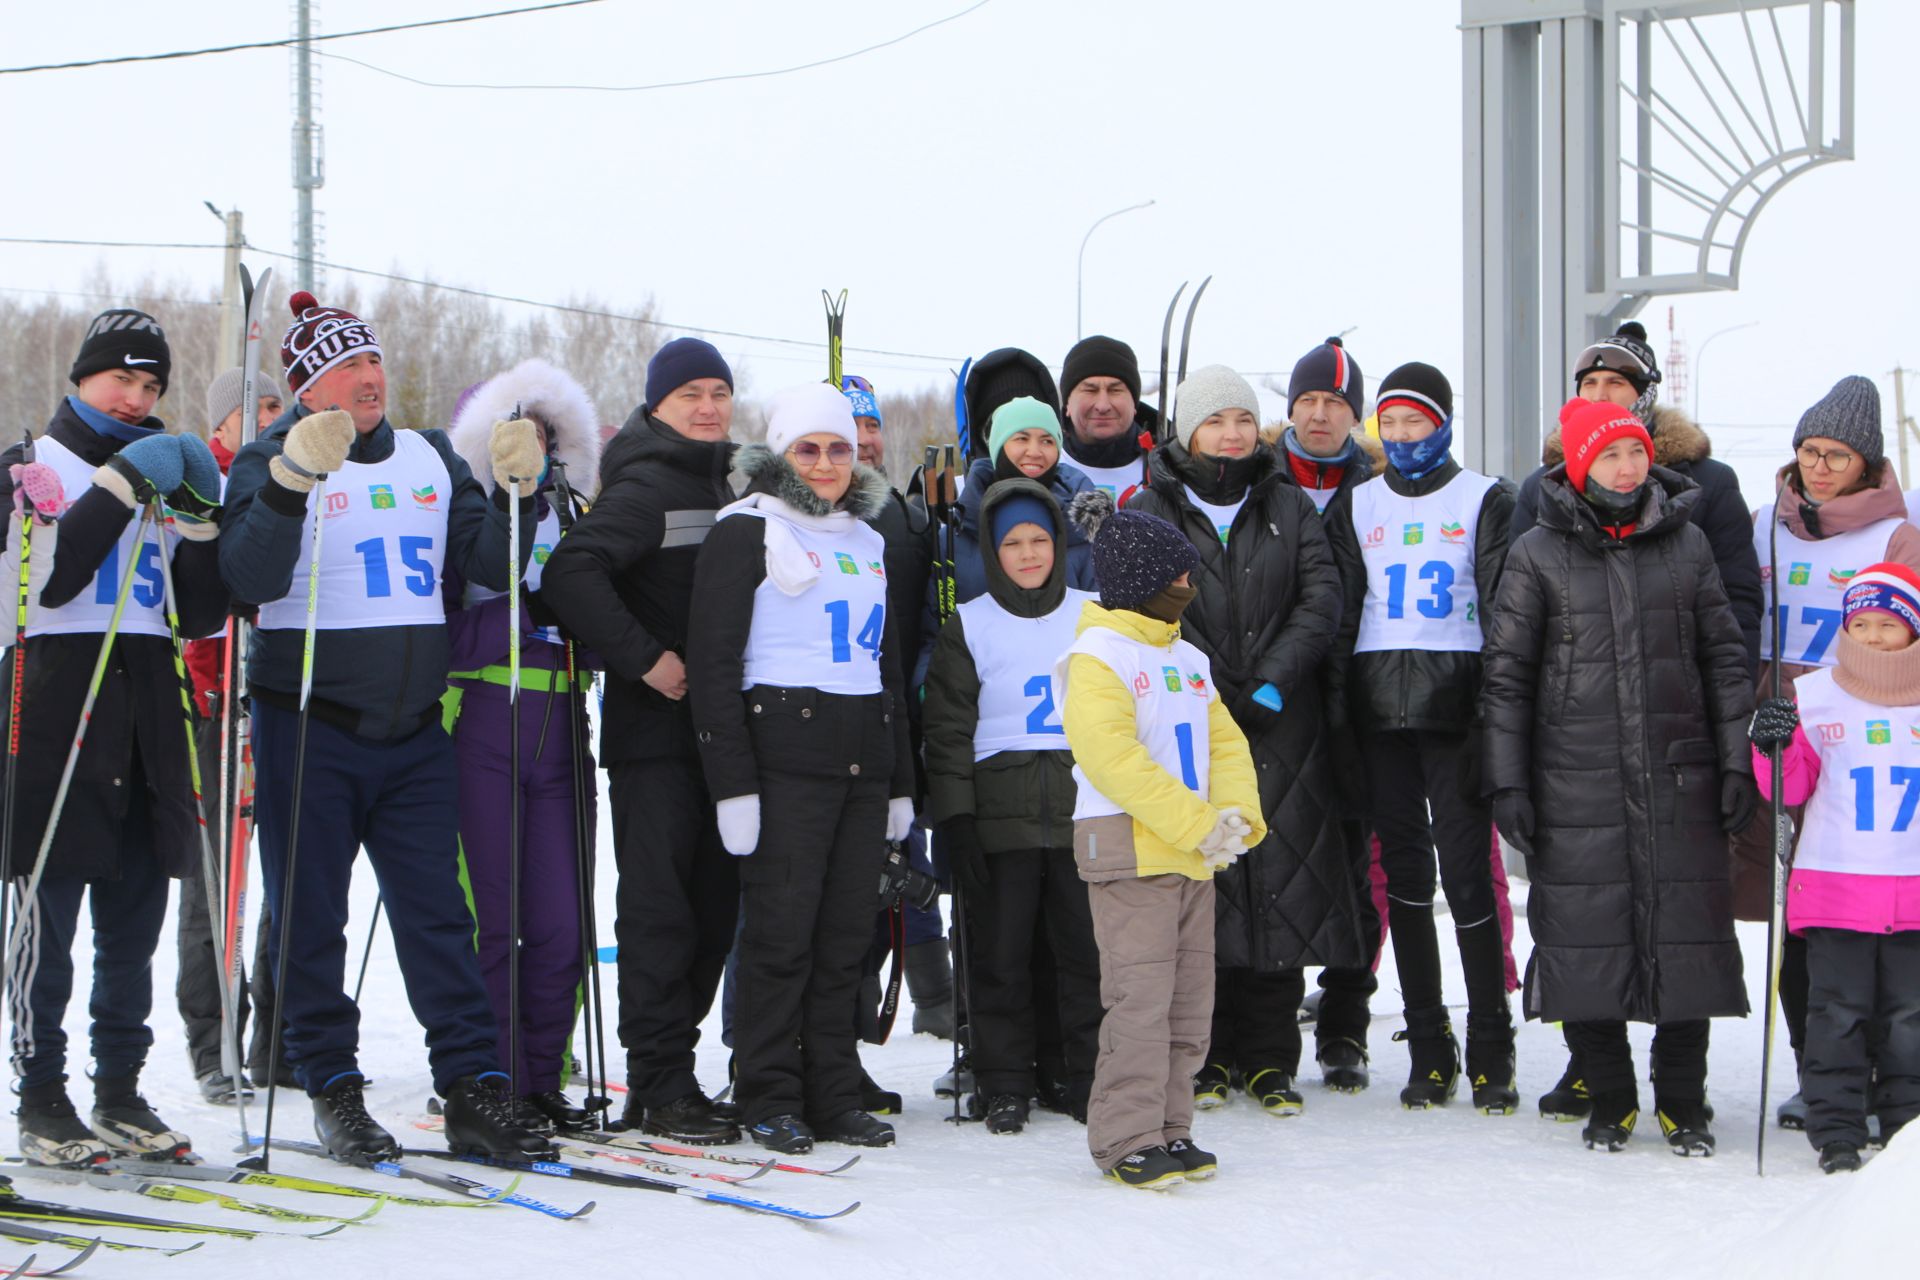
x: 1674, y: 374
x: 1618, y: 150
x: 309, y: 152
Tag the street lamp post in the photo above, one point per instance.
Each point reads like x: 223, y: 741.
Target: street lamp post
x: 1700, y: 357
x: 1080, y: 270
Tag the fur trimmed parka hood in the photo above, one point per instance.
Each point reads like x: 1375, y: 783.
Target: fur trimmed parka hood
x: 538, y: 388
x: 1676, y: 438
x: 768, y: 472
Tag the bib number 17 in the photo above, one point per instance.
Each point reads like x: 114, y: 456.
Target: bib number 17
x: 839, y: 615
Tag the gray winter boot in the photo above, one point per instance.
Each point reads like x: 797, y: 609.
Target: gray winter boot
x: 930, y: 983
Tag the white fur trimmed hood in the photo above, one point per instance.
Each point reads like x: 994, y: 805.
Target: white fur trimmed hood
x: 537, y: 387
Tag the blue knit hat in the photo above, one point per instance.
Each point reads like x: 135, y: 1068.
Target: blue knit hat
x: 1022, y: 508
x: 680, y: 362
x: 1135, y: 555
x: 860, y: 394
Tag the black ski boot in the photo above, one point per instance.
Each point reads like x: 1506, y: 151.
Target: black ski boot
x: 881, y: 1102
x: 480, y: 1118
x: 1839, y: 1157
x: 690, y: 1120
x: 1568, y: 1100
x: 123, y: 1120
x: 1490, y: 1073
x: 341, y: 1122
x: 1006, y: 1113
x: 783, y: 1135
x: 856, y: 1129
x: 1211, y: 1085
x: 1343, y: 1065
x: 216, y: 1087
x: 1050, y: 1086
x: 559, y: 1111
x: 51, y: 1133
x: 930, y: 983
x: 1685, y: 1124
x: 1273, y: 1089
x: 955, y: 1080
x: 1434, y: 1073
x: 1199, y: 1165
x: 1792, y: 1114
x: 1154, y: 1169
x: 1611, y: 1122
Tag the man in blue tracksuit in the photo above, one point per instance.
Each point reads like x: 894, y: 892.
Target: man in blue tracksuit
x: 396, y: 508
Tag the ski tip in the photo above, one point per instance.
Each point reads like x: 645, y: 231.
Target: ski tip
x: 584, y: 1209
x: 23, y: 1268
x: 185, y: 1248
x: 324, y: 1232
x: 842, y: 1168
x: 93, y: 1246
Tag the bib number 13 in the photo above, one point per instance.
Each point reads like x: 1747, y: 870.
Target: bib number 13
x: 839, y: 615
x: 1436, y: 602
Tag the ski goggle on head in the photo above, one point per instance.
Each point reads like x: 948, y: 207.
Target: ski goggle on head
x: 854, y: 382
x: 1617, y: 358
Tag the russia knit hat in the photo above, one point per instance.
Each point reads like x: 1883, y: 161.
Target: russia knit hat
x: 805, y: 410
x: 1328, y: 367
x: 223, y: 393
x: 1587, y: 427
x: 1625, y: 353
x: 1135, y: 556
x: 1207, y: 391
x: 682, y: 361
x: 123, y: 339
x: 1100, y: 357
x: 1419, y: 386
x: 1887, y: 587
x: 1023, y: 413
x: 320, y: 338
x: 1850, y: 413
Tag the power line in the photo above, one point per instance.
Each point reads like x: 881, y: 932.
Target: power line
x: 666, y: 84
x: 288, y: 40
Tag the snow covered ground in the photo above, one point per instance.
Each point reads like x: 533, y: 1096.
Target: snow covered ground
x: 1356, y: 1187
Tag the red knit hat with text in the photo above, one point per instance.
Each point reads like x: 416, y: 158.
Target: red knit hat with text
x: 320, y: 338
x: 1888, y: 587
x: 1587, y: 427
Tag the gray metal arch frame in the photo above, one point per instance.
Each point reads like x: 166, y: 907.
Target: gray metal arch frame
x: 1562, y: 190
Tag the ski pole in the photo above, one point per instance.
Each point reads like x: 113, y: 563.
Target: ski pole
x: 209, y: 867
x: 366, y: 952
x: 17, y: 937
x: 19, y: 683
x: 1776, y: 932
x: 285, y: 906
x: 513, y: 767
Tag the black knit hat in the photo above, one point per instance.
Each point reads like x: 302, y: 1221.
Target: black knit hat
x: 997, y: 377
x: 1135, y: 555
x: 1101, y: 357
x: 1421, y: 386
x: 1328, y: 367
x: 1625, y: 353
x: 123, y: 339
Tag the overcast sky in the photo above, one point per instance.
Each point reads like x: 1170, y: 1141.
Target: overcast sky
x: 1307, y: 155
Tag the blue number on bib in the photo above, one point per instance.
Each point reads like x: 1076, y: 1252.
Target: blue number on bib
x: 1183, y: 736
x: 1904, y: 776
x: 870, y: 633
x: 1439, y: 605
x: 413, y: 557
x: 1040, y: 719
x: 148, y: 587
x: 1826, y: 625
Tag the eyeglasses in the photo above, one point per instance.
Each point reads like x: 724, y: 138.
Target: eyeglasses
x: 1832, y: 459
x: 807, y: 453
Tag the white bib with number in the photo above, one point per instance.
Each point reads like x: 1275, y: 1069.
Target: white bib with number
x: 546, y: 536
x: 1862, y: 818
x: 1816, y: 576
x: 828, y: 637
x: 1421, y: 592
x: 90, y: 611
x: 383, y: 546
x: 1172, y: 693
x: 1014, y: 659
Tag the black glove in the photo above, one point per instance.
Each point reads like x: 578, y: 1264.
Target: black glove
x: 1773, y: 723
x: 965, y: 859
x: 1473, y: 778
x: 1738, y: 800
x: 1513, y: 814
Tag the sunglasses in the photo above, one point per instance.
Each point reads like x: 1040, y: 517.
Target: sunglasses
x: 807, y: 453
x: 854, y: 382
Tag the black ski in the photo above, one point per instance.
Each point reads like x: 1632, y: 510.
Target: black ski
x: 1186, y: 333
x: 87, y: 1244
x: 445, y: 1181
x: 1166, y: 357
x: 15, y: 1205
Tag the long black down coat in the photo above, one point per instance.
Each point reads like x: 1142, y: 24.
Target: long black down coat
x: 1617, y: 696
x: 1267, y: 612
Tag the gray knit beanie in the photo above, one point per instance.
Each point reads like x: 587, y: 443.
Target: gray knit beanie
x: 1206, y: 392
x: 1850, y: 413
x: 223, y: 394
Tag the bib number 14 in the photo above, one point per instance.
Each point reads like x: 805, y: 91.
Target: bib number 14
x: 839, y: 616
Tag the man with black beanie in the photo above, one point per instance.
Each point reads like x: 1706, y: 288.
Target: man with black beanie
x: 1110, y: 430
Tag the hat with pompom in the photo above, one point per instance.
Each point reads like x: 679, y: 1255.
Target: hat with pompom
x: 320, y: 338
x: 1135, y: 555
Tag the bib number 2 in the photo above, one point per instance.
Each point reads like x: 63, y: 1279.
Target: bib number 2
x: 1042, y: 719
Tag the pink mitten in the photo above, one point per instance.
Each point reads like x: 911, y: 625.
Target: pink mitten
x: 39, y: 483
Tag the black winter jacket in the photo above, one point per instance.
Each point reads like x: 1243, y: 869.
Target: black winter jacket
x: 622, y: 581
x: 1268, y: 612
x: 1721, y: 511
x: 137, y: 718
x: 1618, y: 694
x: 1419, y: 688
x: 378, y: 682
x: 1018, y: 799
x: 767, y: 728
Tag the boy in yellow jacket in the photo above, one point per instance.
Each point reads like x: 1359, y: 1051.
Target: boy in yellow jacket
x: 1167, y: 798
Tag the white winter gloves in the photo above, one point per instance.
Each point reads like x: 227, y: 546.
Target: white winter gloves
x: 899, y: 818
x: 1228, y: 839
x: 315, y: 446
x: 514, y: 450
x: 739, y: 819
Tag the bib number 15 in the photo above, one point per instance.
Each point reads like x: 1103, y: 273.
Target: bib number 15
x: 839, y: 616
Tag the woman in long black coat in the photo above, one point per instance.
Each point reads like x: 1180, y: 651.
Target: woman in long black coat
x: 1266, y: 616
x: 1616, y: 704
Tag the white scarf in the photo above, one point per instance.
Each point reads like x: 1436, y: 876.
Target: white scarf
x: 789, y: 567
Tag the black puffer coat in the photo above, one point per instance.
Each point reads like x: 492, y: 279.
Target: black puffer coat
x: 1617, y: 696
x: 1267, y: 612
